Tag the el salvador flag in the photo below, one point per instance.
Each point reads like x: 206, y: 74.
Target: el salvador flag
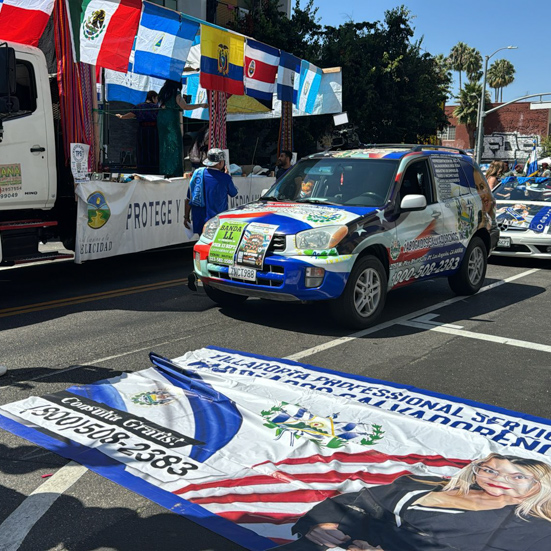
x: 163, y: 42
x: 287, y: 77
x: 310, y: 80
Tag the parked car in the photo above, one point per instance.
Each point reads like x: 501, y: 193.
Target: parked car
x: 524, y: 217
x: 348, y: 226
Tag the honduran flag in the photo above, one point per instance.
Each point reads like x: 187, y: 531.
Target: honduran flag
x: 163, y: 42
x: 130, y: 86
x: 309, y: 85
x: 261, y: 63
x: 107, y: 32
x: 24, y: 21
x: 288, y: 77
x: 222, y: 56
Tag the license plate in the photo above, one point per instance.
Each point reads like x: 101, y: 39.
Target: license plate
x: 240, y: 272
x: 504, y: 242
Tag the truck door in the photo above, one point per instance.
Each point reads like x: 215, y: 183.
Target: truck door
x: 27, y: 154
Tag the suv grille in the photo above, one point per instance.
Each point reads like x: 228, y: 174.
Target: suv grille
x: 278, y: 243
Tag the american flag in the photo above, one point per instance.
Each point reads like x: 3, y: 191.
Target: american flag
x: 271, y: 499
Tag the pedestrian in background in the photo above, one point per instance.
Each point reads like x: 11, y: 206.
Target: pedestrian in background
x: 283, y: 163
x: 545, y: 172
x: 495, y: 172
x: 209, y: 187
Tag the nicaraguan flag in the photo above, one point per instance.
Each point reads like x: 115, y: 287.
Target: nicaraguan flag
x: 532, y: 165
x: 309, y: 85
x: 261, y: 63
x: 163, y: 42
x: 288, y: 77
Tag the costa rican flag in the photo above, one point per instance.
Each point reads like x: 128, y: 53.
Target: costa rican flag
x: 272, y: 496
x: 24, y: 21
x: 261, y: 63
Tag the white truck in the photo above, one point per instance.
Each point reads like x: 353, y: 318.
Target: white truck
x: 37, y: 202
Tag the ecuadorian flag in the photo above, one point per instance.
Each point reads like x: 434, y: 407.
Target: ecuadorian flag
x: 222, y: 55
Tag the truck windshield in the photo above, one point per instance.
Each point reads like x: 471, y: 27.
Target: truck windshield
x: 352, y: 182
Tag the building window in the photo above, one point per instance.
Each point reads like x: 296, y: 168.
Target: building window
x: 447, y: 134
x: 172, y: 4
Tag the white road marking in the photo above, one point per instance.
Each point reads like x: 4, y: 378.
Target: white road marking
x: 18, y: 525
x: 428, y: 319
x: 450, y: 330
x: 407, y: 317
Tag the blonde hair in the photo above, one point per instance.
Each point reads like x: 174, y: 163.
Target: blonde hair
x: 497, y: 169
x: 537, y: 505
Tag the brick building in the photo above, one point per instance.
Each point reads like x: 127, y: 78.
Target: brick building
x: 509, y: 132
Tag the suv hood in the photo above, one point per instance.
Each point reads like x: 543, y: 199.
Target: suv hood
x: 295, y: 217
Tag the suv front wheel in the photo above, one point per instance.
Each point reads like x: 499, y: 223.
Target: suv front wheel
x: 471, y: 273
x: 363, y: 298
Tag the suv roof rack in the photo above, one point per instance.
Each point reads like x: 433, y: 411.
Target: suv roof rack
x: 415, y: 147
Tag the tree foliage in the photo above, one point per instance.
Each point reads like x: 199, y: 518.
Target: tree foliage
x: 393, y: 90
x: 467, y: 110
x: 500, y: 74
x: 459, y: 55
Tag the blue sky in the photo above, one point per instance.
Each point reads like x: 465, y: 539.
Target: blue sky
x: 482, y: 24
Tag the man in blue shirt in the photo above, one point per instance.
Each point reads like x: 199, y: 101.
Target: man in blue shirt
x: 208, y: 191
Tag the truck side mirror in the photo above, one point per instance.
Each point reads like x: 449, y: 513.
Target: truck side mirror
x: 7, y: 71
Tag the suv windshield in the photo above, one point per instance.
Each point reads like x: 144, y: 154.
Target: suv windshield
x: 510, y: 189
x: 352, y: 182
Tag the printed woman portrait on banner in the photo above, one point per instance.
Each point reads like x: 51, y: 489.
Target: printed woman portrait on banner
x: 500, y: 502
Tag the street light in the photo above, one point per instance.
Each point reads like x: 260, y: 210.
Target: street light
x: 481, y: 114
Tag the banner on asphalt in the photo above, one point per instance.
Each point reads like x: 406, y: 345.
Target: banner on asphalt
x: 269, y: 452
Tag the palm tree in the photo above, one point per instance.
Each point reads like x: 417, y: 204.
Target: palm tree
x: 500, y: 74
x: 458, y: 58
x: 473, y: 65
x: 467, y: 110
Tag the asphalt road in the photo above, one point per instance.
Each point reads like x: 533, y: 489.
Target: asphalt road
x: 63, y: 324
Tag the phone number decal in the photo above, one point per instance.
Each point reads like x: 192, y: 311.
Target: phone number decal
x: 154, y: 460
x: 425, y: 270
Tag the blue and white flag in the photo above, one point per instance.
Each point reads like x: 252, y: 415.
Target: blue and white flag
x: 198, y: 94
x: 163, y: 42
x: 288, y: 76
x: 309, y: 85
x: 129, y: 87
x: 532, y: 163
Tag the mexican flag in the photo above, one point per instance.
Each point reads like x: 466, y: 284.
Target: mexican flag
x: 107, y: 31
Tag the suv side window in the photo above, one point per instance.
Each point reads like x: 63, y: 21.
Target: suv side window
x: 417, y: 180
x: 450, y: 178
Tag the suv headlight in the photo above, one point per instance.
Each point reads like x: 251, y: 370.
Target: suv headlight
x: 210, y: 228
x: 321, y: 238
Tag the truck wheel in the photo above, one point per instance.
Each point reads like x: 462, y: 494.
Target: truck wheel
x: 471, y: 273
x: 228, y: 300
x: 363, y: 298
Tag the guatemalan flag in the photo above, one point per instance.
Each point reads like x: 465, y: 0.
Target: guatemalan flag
x: 288, y: 77
x: 309, y: 85
x: 532, y: 164
x: 24, y: 21
x: 261, y: 63
x: 163, y: 42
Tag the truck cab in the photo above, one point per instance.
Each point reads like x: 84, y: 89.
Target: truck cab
x: 28, y: 174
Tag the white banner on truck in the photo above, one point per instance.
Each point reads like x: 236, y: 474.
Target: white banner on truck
x: 120, y: 218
